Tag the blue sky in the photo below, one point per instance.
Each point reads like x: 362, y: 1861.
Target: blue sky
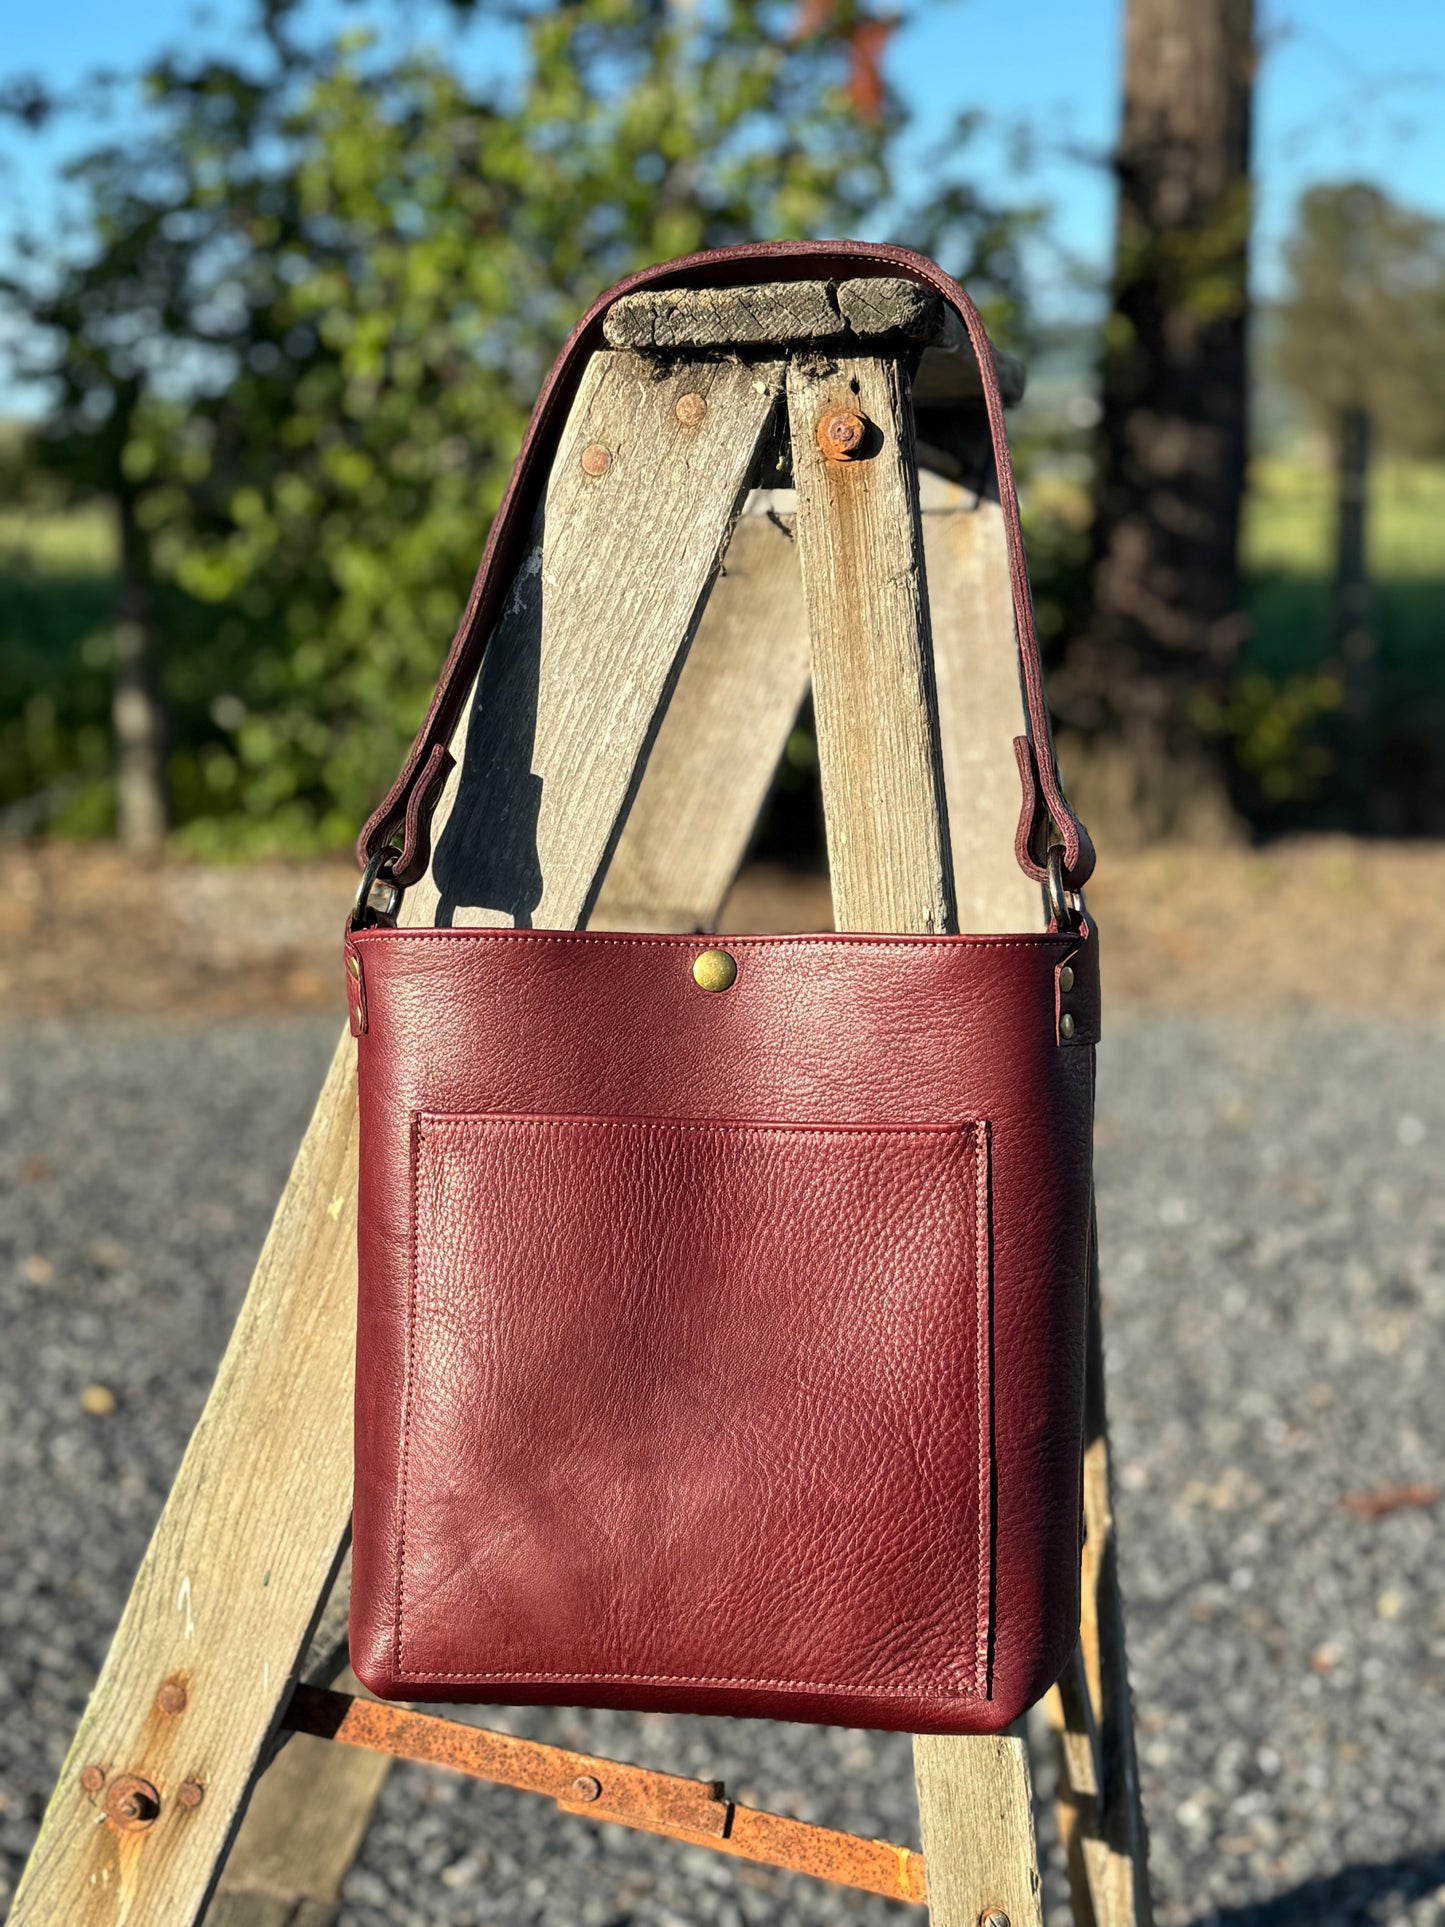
x: 1345, y: 89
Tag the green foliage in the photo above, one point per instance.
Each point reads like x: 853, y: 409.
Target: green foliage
x: 54, y: 709
x: 1291, y: 731
x: 1363, y: 321
x: 296, y: 335
x: 1273, y: 726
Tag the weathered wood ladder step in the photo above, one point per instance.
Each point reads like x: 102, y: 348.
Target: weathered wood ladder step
x: 698, y: 564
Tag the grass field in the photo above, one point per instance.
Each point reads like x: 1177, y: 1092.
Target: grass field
x: 56, y: 578
x: 1289, y: 519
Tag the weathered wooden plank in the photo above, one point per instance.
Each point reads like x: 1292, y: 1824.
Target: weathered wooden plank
x: 1100, y: 1812
x: 773, y: 313
x: 975, y: 1807
x: 301, y: 1832
x: 857, y: 315
x: 861, y: 550
x: 887, y: 305
x: 719, y: 745
x: 650, y: 475
x: 980, y: 705
x: 879, y: 307
x: 1100, y: 1815
x: 309, y: 1808
x: 1114, y: 1837
x: 253, y: 1529
x: 883, y: 795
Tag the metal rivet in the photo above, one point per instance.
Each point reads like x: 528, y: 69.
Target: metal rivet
x: 353, y: 964
x: 93, y: 1778
x: 585, y: 1787
x: 840, y: 433
x: 714, y: 970
x: 596, y: 460
x: 690, y: 410
x: 190, y: 1793
x: 132, y: 1803
x: 1066, y: 1025
x: 1066, y: 978
x: 172, y: 1697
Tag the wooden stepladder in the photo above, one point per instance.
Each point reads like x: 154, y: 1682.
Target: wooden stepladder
x: 705, y: 553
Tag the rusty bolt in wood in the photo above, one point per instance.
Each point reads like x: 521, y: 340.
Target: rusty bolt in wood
x: 586, y: 1787
x: 690, y: 410
x: 172, y: 1697
x: 596, y: 460
x: 132, y: 1803
x: 840, y: 433
x: 190, y: 1793
x: 93, y: 1778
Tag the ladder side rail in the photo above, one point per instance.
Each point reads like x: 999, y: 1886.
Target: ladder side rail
x: 861, y: 544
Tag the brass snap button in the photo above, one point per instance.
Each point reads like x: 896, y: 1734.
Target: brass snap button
x: 714, y: 970
x: 1066, y: 978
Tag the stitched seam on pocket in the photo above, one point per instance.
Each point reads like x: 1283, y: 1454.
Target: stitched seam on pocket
x: 901, y: 1689
x: 983, y: 1381
x: 417, y: 1124
x: 441, y: 1124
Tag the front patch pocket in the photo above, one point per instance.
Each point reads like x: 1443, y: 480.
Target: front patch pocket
x: 695, y: 1403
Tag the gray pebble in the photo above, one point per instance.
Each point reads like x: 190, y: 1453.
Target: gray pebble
x: 1273, y: 1244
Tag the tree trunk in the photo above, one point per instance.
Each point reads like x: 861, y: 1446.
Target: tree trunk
x: 137, y: 712
x: 1354, y: 616
x: 1139, y: 691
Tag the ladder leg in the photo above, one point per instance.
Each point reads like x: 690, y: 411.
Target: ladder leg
x: 719, y: 744
x: 1100, y: 1812
x: 1100, y: 1816
x: 606, y: 607
x: 980, y: 710
x: 252, y: 1532
x: 861, y: 544
x: 302, y: 1830
x: 976, y: 1808
x: 1113, y: 1839
x: 309, y: 1809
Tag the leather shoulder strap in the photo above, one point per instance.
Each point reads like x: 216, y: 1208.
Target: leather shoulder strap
x: 408, y: 807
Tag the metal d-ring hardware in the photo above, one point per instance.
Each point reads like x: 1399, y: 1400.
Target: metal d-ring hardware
x: 377, y: 873
x: 1066, y: 907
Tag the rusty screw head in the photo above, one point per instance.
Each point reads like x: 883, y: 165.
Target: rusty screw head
x: 132, y: 1803
x: 586, y: 1787
x: 691, y: 410
x: 93, y: 1778
x: 596, y: 460
x: 190, y: 1793
x: 840, y: 433
x: 172, y: 1697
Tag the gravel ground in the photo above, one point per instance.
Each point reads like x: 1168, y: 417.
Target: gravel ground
x: 1274, y: 1260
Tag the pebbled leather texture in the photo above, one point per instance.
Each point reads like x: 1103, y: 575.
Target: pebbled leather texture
x: 721, y: 1351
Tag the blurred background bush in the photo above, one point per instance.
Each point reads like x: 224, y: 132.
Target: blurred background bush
x: 273, y: 330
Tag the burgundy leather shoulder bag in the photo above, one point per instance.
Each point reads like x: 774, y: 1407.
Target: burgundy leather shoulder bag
x: 722, y: 1350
